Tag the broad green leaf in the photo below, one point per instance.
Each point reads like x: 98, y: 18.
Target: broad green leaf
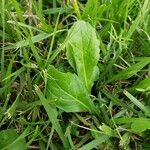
x: 83, y: 52
x: 67, y: 92
x: 129, y: 72
x: 140, y: 125
x: 127, y: 120
x: 8, y: 137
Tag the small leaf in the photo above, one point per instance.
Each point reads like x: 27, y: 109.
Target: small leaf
x: 107, y: 130
x: 8, y: 137
x: 68, y: 92
x: 125, y: 140
x: 83, y: 52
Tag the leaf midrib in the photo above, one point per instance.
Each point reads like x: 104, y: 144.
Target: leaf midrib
x: 77, y: 100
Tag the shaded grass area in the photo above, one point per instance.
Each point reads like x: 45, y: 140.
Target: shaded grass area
x: 52, y: 95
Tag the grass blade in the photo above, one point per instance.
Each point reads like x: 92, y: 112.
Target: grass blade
x: 52, y: 114
x: 137, y: 103
x: 95, y: 143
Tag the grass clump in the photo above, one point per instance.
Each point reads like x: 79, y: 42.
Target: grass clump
x: 74, y: 74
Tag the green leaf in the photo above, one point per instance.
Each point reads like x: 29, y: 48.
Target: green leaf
x: 83, y: 52
x: 96, y: 142
x: 68, y: 92
x: 125, y: 140
x: 140, y: 125
x: 117, y: 101
x: 52, y: 114
x: 143, y: 85
x: 23, y: 43
x: 93, y: 11
x: 137, y: 103
x: 57, y: 10
x: 26, y: 42
x: 90, y: 11
x: 124, y: 120
x: 129, y: 72
x: 107, y: 130
x: 8, y: 137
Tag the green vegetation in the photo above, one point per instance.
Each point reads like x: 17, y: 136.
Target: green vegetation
x: 75, y: 74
